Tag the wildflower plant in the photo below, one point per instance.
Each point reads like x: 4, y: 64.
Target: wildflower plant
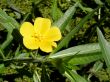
x: 46, y: 46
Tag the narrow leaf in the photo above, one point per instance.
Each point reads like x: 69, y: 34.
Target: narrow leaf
x: 9, y: 24
x: 63, y: 21
x: 55, y: 11
x: 83, y: 59
x: 75, y: 76
x: 97, y: 66
x: 99, y: 2
x: 81, y: 54
x: 80, y: 49
x: 36, y: 77
x: 2, y: 68
x: 105, y: 47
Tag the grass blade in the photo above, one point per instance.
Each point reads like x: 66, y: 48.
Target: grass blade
x: 97, y: 67
x: 105, y: 47
x: 75, y: 76
x: 56, y: 13
x: 63, y: 21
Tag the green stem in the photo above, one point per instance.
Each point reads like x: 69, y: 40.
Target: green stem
x: 3, y: 56
x: 26, y: 60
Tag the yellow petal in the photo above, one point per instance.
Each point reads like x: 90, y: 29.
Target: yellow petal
x: 26, y: 29
x: 46, y: 46
x: 54, y: 44
x: 42, y: 25
x: 31, y: 43
x: 53, y: 34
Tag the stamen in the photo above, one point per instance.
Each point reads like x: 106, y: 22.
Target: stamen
x: 38, y: 36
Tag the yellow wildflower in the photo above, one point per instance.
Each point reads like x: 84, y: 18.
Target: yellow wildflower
x: 40, y: 35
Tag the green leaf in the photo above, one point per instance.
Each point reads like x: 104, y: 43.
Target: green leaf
x: 99, y: 2
x: 77, y: 50
x: 22, y: 55
x: 9, y: 24
x: 69, y: 77
x: 81, y: 54
x: 105, y: 47
x: 85, y: 8
x: 55, y: 11
x: 2, y: 68
x: 36, y: 76
x: 74, y: 77
x: 63, y: 21
x: 70, y: 74
x: 2, y: 54
x: 84, y: 59
x: 59, y: 64
x: 67, y: 38
x: 97, y: 66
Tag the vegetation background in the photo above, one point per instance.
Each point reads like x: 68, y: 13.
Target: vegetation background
x: 82, y: 55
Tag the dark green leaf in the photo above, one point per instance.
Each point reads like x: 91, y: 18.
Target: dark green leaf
x: 44, y: 75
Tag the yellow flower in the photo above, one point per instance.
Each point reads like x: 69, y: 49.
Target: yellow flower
x: 40, y: 35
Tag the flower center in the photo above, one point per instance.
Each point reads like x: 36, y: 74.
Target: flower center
x: 38, y: 36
